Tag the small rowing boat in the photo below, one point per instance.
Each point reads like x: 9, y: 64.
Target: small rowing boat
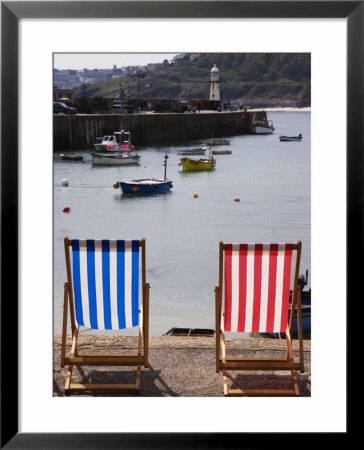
x: 290, y: 138
x: 221, y: 152
x: 214, y: 141
x: 201, y: 150
x: 71, y: 157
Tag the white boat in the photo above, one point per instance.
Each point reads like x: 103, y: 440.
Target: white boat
x: 113, y: 159
x: 118, y: 142
x: 290, y: 138
x: 262, y: 126
x: 201, y: 150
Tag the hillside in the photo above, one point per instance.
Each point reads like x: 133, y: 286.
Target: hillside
x: 254, y: 78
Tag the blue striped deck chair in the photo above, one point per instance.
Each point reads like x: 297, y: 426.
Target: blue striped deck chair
x: 256, y: 283
x: 102, y: 293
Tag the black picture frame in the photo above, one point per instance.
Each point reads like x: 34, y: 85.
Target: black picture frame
x: 11, y: 13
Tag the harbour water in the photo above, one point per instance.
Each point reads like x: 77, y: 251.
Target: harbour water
x: 270, y: 178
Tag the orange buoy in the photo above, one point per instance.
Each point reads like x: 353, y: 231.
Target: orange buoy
x: 195, y: 195
x: 66, y: 209
x: 116, y: 185
x: 236, y: 199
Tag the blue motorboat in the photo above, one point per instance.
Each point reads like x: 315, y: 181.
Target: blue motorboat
x: 146, y: 185
x: 306, y: 312
x: 305, y: 307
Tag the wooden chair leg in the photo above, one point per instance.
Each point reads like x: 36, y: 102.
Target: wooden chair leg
x: 295, y: 382
x: 262, y: 392
x: 83, y: 387
x: 67, y: 387
x: 224, y: 383
x: 64, y: 325
x: 137, y: 381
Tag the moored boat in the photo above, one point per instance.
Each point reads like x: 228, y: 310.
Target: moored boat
x: 221, y: 152
x: 114, y: 158
x: 197, y: 164
x: 214, y: 141
x: 146, y: 185
x: 290, y: 138
x: 117, y: 142
x: 200, y: 150
x: 71, y: 157
x: 193, y: 164
x: 264, y: 126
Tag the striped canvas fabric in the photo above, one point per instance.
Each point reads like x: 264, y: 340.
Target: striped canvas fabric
x: 257, y: 287
x: 106, y: 283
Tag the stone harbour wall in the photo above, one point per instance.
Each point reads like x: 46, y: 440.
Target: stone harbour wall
x: 80, y: 131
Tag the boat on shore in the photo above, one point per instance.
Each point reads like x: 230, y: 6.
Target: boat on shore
x: 201, y: 332
x: 113, y: 159
x: 305, y: 307
x: 200, y: 150
x: 117, y: 142
x: 290, y: 138
x: 306, y: 312
x: 146, y: 185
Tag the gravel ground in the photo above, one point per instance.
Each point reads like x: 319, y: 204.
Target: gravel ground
x: 180, y: 366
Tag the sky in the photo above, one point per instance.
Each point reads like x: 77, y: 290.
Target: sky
x: 79, y: 61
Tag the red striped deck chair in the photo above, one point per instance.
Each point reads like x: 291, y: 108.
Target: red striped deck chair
x: 255, y: 282
x: 102, y: 292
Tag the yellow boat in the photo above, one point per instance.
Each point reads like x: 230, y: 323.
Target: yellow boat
x: 197, y: 164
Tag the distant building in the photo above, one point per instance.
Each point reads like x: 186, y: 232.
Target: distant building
x: 59, y: 94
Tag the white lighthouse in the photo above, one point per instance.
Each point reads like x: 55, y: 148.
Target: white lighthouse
x: 215, y: 85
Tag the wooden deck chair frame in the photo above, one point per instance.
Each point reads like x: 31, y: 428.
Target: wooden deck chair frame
x: 128, y: 359
x: 225, y: 363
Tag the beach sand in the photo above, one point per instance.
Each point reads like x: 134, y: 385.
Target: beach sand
x: 180, y: 366
x: 288, y: 109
